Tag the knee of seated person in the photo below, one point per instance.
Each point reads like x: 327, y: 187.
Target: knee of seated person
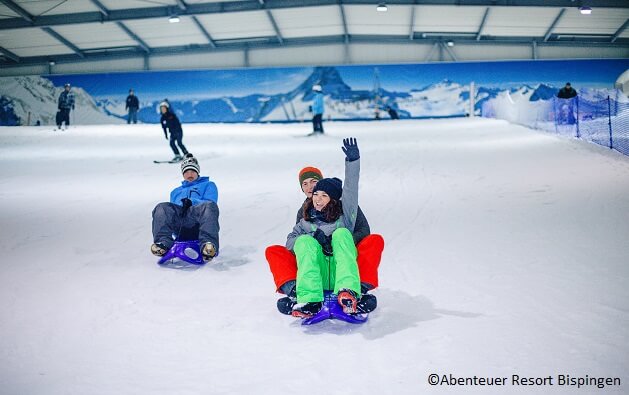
x: 341, y: 233
x: 304, y: 240
x: 163, y: 206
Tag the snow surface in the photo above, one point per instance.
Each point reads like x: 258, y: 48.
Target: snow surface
x: 506, y: 253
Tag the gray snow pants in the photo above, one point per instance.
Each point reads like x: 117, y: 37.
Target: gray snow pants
x: 199, y: 223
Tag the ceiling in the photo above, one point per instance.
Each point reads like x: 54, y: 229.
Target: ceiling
x: 43, y: 31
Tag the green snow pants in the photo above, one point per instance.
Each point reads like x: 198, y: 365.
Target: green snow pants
x: 317, y: 272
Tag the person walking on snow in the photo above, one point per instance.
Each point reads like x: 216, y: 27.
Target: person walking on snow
x: 283, y: 264
x: 191, y: 214
x: 317, y: 110
x: 65, y: 105
x: 132, y: 105
x: 171, y: 123
x: 323, y: 244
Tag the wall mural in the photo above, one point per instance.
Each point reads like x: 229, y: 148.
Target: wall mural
x: 284, y: 94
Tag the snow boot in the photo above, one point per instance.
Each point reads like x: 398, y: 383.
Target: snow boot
x: 306, y: 310
x: 208, y: 251
x: 158, y: 249
x: 348, y: 300
x: 285, y: 305
x: 366, y: 304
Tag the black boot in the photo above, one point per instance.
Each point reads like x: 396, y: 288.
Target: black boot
x: 285, y: 305
x: 348, y: 300
x: 306, y: 310
x: 366, y: 304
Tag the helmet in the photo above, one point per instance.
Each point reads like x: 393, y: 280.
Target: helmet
x: 67, y: 85
x: 317, y: 88
x: 164, y: 104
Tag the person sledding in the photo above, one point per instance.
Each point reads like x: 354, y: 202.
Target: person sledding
x: 191, y: 214
x: 323, y: 244
x: 170, y: 123
x: 283, y: 264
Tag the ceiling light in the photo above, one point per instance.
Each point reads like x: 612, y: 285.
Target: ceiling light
x: 382, y: 7
x: 173, y: 19
x: 585, y: 10
x: 450, y: 43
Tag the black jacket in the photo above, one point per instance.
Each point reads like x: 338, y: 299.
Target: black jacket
x: 171, y: 122
x: 132, y: 102
x: 361, y: 229
x: 566, y: 94
x: 66, y: 100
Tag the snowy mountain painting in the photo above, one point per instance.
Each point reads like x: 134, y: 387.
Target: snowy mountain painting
x: 284, y: 94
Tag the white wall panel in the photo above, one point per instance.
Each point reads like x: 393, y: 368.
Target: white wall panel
x: 298, y: 56
x: 388, y: 53
x: 87, y: 36
x: 461, y: 19
x: 601, y: 21
x: 520, y: 21
x: 161, y: 33
x: 362, y: 19
x: 582, y: 53
x: 237, y: 25
x: 102, y: 66
x: 56, y: 7
x: 32, y: 42
x: 227, y: 59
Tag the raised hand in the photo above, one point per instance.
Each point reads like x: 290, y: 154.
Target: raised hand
x: 350, y: 149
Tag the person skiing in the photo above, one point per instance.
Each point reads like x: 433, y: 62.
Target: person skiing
x: 323, y: 243
x: 191, y: 214
x: 283, y: 264
x: 132, y: 106
x: 170, y: 121
x: 317, y: 110
x: 65, y: 105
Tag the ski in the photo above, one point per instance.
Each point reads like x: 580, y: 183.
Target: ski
x: 166, y: 161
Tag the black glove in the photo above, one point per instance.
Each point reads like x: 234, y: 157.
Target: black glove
x: 186, y: 203
x: 166, y: 135
x: 350, y: 148
x: 325, y: 241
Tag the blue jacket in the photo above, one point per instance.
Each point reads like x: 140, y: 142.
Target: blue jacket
x: 317, y: 103
x: 199, y: 191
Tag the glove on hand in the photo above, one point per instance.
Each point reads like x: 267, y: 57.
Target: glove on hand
x: 325, y: 241
x: 186, y: 203
x: 350, y: 148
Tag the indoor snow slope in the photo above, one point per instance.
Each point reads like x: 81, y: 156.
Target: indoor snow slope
x: 506, y: 254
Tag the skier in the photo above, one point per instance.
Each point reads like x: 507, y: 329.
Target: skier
x: 317, y: 110
x: 132, y: 105
x: 566, y: 110
x: 170, y: 121
x: 323, y: 243
x: 392, y: 113
x: 283, y: 264
x: 65, y: 104
x: 191, y: 214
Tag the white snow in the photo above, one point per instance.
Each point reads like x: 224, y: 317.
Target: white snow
x: 506, y: 253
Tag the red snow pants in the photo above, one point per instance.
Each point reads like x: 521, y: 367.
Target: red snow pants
x: 283, y: 264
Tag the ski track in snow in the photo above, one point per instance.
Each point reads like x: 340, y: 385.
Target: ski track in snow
x: 506, y: 253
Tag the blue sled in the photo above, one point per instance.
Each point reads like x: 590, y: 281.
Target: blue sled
x: 184, y: 255
x: 332, y: 310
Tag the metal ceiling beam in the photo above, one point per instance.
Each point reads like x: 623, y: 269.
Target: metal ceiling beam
x: 9, y: 55
x: 19, y: 10
x: 134, y: 36
x: 64, y: 41
x: 205, y: 32
x: 26, y: 20
x: 103, y: 10
x: 619, y: 31
x: 272, y: 20
x: 182, y: 5
x: 271, y: 42
x: 344, y: 19
x: 552, y: 26
x: 449, y: 51
x: 482, y: 24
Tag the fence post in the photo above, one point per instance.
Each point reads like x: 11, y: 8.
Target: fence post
x: 576, y: 98
x: 609, y: 117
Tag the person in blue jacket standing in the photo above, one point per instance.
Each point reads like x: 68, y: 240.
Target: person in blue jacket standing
x: 191, y: 214
x: 317, y: 110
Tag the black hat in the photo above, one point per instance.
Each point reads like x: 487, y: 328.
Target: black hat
x: 332, y: 186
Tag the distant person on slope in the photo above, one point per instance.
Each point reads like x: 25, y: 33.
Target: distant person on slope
x: 132, y: 105
x: 191, y: 214
x: 567, y: 92
x: 317, y: 110
x: 283, y: 263
x: 566, y: 111
x: 171, y: 123
x: 65, y: 105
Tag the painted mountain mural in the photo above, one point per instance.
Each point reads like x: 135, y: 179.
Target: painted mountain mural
x: 285, y: 95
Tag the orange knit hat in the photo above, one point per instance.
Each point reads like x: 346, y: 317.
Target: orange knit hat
x: 309, y: 172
